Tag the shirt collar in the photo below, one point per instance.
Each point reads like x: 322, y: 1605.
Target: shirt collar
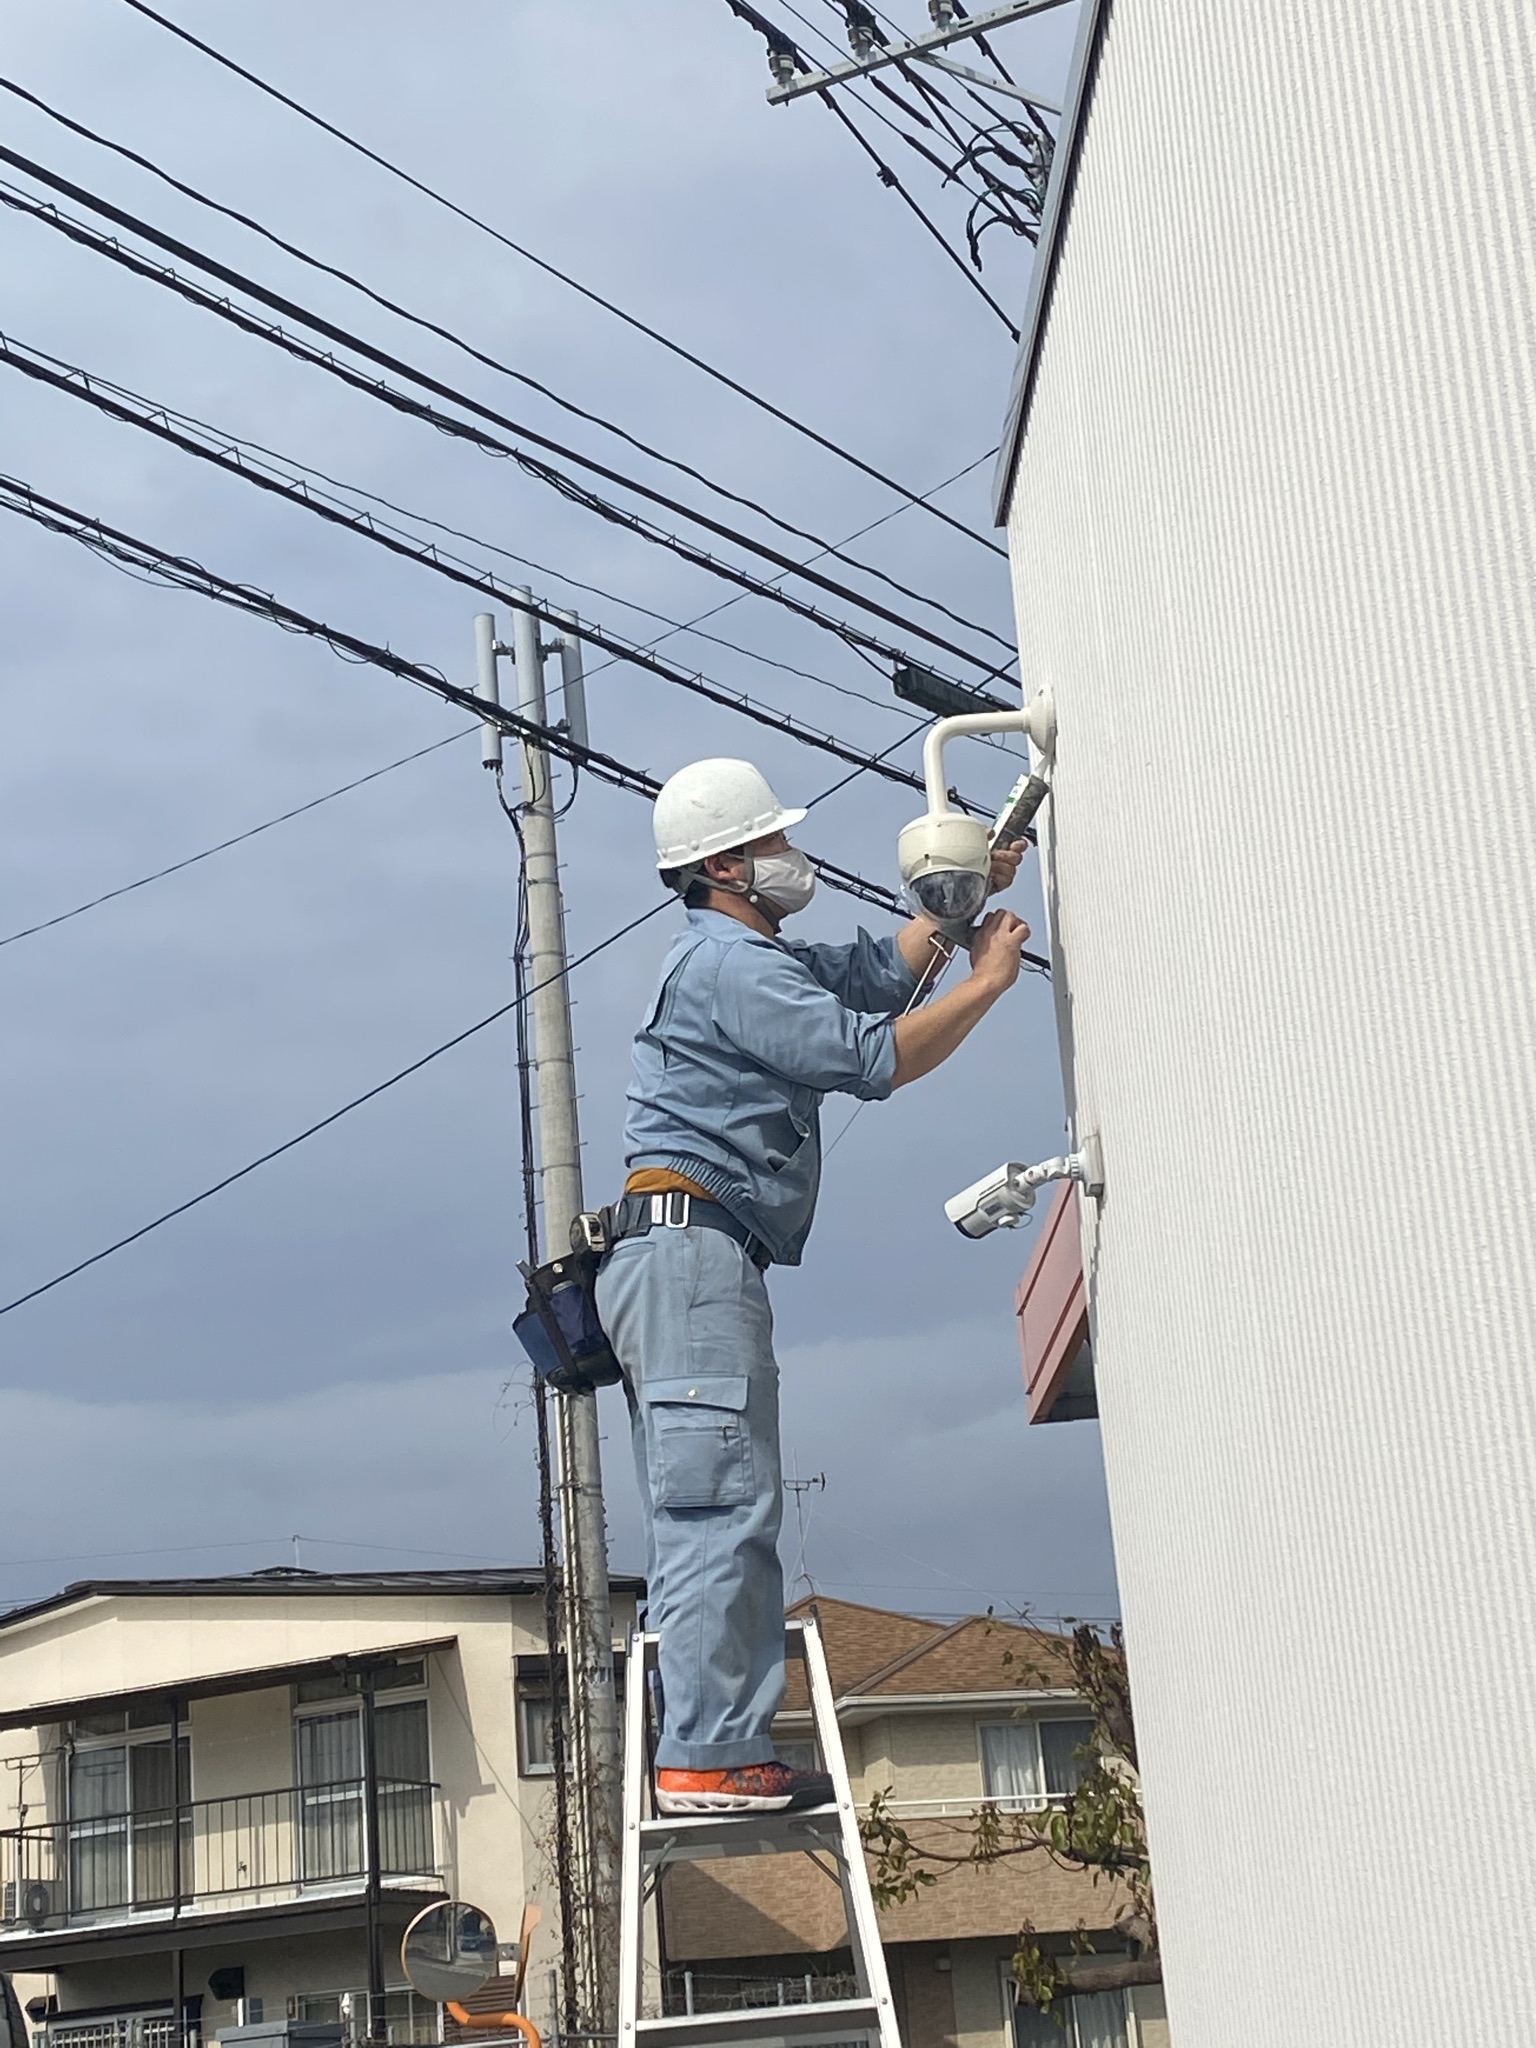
x: 716, y: 924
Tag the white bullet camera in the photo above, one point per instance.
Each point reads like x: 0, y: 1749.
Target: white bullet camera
x: 999, y: 1201
x: 1005, y: 1196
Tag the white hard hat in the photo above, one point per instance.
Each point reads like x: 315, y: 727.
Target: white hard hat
x: 712, y: 806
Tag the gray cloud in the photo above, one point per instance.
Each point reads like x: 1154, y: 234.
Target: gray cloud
x: 448, y: 1458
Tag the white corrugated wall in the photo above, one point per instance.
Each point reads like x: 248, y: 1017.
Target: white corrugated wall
x: 1274, y: 537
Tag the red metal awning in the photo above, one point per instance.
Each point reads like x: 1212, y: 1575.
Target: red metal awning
x: 1051, y: 1304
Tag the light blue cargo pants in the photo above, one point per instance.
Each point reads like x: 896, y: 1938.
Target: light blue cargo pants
x: 687, y: 1315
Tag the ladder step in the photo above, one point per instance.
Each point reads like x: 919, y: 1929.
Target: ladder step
x: 688, y: 1836
x: 842, y: 2020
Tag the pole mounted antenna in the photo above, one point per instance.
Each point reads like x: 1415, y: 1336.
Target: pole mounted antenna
x: 799, y: 1487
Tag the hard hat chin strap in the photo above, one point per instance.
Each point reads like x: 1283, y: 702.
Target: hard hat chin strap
x: 686, y: 878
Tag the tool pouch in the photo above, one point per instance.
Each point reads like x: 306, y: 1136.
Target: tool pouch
x: 559, y: 1328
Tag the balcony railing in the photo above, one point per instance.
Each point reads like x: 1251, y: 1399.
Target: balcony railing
x: 274, y: 1845
x: 129, y: 2030
x: 969, y: 1807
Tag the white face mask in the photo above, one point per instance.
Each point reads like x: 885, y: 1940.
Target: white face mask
x: 788, y: 880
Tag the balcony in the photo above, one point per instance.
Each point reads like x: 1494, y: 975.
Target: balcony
x: 212, y: 1856
x: 123, y: 2030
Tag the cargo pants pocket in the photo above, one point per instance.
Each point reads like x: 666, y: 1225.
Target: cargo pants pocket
x: 700, y: 1447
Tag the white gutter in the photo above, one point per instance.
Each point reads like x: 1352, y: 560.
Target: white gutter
x: 870, y: 1706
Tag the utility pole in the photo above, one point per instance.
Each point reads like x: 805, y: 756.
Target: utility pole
x: 594, y: 1751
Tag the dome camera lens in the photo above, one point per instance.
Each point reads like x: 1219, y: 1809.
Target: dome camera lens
x: 953, y: 895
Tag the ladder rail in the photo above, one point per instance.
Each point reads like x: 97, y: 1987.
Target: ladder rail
x: 863, y: 1924
x: 642, y: 1661
x: 651, y: 1843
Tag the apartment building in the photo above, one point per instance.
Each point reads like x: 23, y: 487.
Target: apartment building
x: 223, y: 1799
x: 940, y: 1719
x: 1269, y: 478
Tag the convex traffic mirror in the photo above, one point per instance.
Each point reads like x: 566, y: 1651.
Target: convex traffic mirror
x: 449, y: 1951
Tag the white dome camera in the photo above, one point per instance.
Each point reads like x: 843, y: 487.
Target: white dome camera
x: 945, y: 863
x: 946, y: 857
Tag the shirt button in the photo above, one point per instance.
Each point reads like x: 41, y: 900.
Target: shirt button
x: 693, y: 1393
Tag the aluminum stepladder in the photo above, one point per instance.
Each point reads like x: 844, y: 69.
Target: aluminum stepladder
x: 830, y: 1833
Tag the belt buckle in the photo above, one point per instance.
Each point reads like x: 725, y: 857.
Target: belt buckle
x: 592, y: 1232
x: 671, y: 1210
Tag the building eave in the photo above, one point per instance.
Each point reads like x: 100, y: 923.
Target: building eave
x: 855, y: 1708
x: 1091, y: 26
x: 492, y: 1583
x: 250, y: 1678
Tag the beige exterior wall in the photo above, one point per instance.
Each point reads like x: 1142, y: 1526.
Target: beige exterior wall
x: 922, y: 1756
x: 1149, y: 2011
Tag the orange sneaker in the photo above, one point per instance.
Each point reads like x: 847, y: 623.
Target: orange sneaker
x: 749, y: 1788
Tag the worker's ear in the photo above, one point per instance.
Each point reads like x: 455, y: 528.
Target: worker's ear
x: 725, y: 867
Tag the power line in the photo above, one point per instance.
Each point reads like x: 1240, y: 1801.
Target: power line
x: 478, y: 355
x: 836, y: 876
x: 689, y: 625
x: 292, y: 468
x: 878, y: 83
x: 942, y: 106
x: 393, y: 363
x: 77, y: 385
x: 171, y: 280
x: 9, y: 1564
x: 999, y: 201
x: 776, y: 38
x: 191, y: 861
x: 19, y: 498
x: 368, y: 1095
x: 686, y: 355
x: 152, y: 564
x: 889, y: 178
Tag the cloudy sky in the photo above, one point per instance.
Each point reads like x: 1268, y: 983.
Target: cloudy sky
x: 323, y: 1349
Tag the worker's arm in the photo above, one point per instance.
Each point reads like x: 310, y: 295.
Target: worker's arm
x: 916, y: 939
x: 926, y: 1038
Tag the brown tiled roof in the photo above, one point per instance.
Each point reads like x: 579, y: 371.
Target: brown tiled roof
x: 873, y: 1652
x: 859, y: 1640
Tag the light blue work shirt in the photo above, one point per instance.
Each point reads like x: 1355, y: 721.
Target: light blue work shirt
x: 746, y: 1035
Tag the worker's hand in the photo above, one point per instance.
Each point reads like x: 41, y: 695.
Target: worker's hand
x: 1005, y: 866
x: 995, y: 949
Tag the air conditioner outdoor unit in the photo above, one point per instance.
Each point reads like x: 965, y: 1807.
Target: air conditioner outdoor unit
x: 36, y: 1900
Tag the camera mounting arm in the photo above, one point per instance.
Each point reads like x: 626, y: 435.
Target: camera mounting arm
x: 1037, y: 718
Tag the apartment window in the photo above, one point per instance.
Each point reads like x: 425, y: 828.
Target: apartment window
x: 122, y: 1803
x: 408, y: 2017
x: 1025, y: 1763
x: 800, y: 1756
x: 534, y: 1700
x: 536, y: 1735
x: 1098, y: 2021
x: 329, y: 1755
